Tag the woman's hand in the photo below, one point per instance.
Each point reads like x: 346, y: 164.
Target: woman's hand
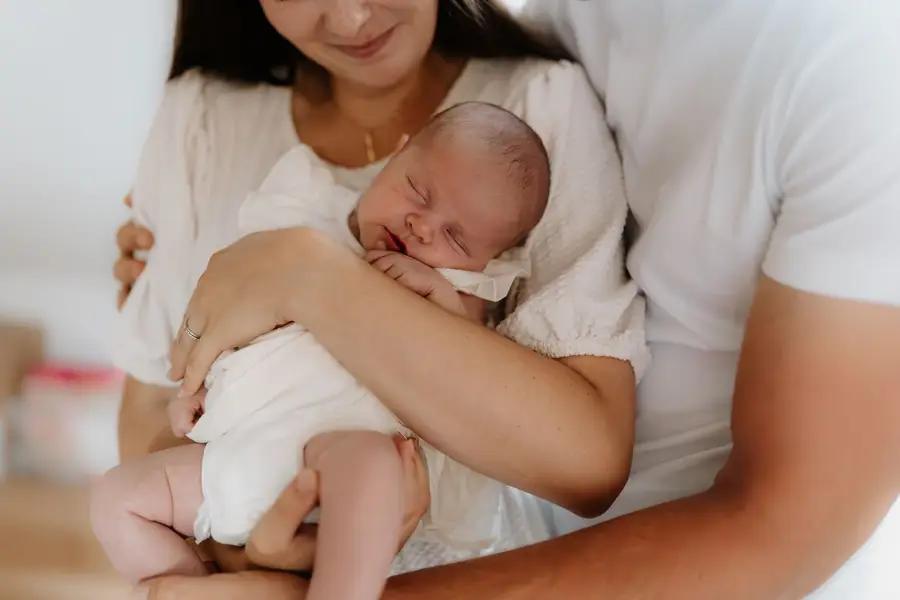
x: 130, y: 238
x: 246, y: 291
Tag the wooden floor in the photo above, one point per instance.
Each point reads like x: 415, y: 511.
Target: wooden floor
x: 47, y: 551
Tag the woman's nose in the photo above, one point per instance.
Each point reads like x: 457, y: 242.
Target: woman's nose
x: 345, y: 18
x: 419, y: 227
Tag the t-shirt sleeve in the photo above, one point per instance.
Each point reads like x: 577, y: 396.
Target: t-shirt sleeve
x: 837, y: 230
x: 578, y: 300
x: 161, y: 199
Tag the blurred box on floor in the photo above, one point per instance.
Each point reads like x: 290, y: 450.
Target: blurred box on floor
x: 59, y: 420
x: 21, y: 347
x: 63, y: 426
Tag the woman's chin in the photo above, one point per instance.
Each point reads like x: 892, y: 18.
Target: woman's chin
x: 377, y: 73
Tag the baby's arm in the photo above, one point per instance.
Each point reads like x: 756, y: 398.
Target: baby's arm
x: 141, y: 511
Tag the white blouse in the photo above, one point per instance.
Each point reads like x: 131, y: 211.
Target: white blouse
x: 213, y: 142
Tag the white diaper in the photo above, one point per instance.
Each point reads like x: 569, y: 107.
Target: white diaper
x: 268, y: 400
x: 264, y: 404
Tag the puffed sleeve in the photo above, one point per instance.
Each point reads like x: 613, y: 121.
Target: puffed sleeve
x: 578, y: 300
x: 162, y: 202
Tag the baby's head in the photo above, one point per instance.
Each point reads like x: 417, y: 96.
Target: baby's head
x: 471, y: 185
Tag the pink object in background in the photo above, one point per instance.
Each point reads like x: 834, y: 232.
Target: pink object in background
x: 64, y: 423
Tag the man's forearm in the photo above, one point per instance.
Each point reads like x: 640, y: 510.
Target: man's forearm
x: 707, y: 547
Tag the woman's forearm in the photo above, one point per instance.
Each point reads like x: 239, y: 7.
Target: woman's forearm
x: 143, y: 422
x: 532, y: 422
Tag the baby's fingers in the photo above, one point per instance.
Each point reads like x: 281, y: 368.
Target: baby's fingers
x: 373, y: 256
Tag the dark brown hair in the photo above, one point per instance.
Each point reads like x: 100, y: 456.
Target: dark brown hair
x: 232, y: 39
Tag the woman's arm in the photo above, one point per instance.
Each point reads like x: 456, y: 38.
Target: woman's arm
x: 525, y: 419
x: 561, y: 430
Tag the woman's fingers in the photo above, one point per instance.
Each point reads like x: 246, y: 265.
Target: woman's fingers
x: 274, y: 543
x: 212, y: 332
x: 201, y: 354
x: 127, y: 270
x: 131, y: 237
x: 196, y: 350
x: 191, y: 332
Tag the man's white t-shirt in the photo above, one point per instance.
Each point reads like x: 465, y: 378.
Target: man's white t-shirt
x: 756, y: 136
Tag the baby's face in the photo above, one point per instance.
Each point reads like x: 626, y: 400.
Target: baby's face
x: 441, y: 205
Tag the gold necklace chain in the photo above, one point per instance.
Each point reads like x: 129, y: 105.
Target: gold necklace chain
x: 370, y: 147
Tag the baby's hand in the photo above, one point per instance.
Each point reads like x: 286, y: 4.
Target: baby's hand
x: 418, y: 277
x: 184, y: 412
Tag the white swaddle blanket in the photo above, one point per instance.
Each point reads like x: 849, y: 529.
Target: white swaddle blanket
x: 267, y: 400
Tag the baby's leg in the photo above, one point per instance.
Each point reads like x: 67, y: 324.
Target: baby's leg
x: 361, y: 504
x: 136, y: 506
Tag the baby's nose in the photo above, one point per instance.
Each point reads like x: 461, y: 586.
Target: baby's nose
x: 419, y: 227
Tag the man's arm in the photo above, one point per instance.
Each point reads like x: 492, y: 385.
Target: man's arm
x: 812, y: 473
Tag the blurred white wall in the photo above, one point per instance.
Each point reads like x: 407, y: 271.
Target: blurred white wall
x: 79, y: 83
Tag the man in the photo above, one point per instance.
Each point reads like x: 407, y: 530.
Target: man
x: 761, y: 147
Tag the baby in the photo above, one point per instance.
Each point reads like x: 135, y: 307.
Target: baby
x: 445, y: 217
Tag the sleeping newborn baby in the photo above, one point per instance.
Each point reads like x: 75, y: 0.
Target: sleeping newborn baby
x: 445, y: 217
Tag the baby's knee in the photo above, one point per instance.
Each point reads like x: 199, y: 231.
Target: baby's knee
x: 369, y: 450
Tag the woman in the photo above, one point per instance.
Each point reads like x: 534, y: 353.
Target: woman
x: 558, y: 424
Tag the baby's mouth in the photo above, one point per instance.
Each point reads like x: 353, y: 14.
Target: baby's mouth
x: 396, y: 243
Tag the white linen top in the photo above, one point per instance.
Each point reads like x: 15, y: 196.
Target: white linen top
x: 213, y: 142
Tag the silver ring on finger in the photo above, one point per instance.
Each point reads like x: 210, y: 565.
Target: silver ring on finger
x: 190, y: 332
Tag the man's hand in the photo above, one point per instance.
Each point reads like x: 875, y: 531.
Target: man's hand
x: 184, y: 412
x: 281, y: 540
x: 418, y: 277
